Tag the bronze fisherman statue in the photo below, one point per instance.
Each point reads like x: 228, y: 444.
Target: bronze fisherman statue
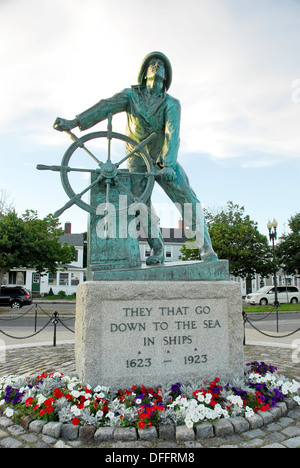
x: 149, y: 108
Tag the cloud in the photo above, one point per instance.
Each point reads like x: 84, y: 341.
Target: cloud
x: 234, y: 68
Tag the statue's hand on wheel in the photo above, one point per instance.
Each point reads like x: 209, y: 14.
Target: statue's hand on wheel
x: 168, y: 174
x: 64, y: 125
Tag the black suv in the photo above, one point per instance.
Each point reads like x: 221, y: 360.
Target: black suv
x: 14, y: 296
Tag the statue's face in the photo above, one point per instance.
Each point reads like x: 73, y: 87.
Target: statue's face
x: 156, y: 68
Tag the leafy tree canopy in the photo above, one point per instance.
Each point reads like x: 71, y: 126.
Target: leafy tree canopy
x: 288, y: 248
x: 235, y: 237
x: 30, y: 242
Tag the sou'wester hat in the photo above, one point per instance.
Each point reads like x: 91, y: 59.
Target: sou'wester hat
x: 144, y: 67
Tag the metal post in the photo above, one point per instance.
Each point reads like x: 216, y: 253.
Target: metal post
x: 35, y: 317
x: 55, y: 322
x: 245, y: 320
x: 273, y: 237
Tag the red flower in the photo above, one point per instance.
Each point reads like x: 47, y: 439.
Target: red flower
x: 263, y: 408
x: 49, y: 401
x: 50, y: 409
x: 42, y: 412
x: 58, y: 393
x: 29, y: 401
x: 141, y: 424
x: 75, y: 421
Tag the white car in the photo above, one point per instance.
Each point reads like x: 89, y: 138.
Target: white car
x: 266, y: 295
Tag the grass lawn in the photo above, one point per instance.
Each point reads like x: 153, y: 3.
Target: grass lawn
x: 58, y: 297
x: 269, y: 308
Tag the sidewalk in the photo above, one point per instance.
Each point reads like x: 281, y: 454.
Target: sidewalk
x: 254, y: 337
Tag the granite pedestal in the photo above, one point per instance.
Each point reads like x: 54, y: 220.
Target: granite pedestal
x: 158, y: 332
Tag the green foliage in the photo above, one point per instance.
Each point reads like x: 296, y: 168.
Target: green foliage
x: 235, y: 237
x: 30, y: 242
x: 288, y: 249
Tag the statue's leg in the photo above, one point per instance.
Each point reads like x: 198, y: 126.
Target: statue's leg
x: 152, y: 231
x: 155, y: 239
x: 181, y: 193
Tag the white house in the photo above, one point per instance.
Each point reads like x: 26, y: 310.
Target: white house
x: 65, y: 279
x: 174, y: 238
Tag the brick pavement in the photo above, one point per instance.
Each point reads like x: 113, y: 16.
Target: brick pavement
x: 279, y: 433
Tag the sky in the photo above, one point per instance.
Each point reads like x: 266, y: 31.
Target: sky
x: 236, y: 72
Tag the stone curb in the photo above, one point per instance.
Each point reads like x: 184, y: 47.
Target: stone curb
x: 168, y: 432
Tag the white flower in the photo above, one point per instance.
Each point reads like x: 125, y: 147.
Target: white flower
x: 75, y: 410
x: 235, y: 400
x: 249, y: 412
x: 138, y: 401
x: 9, y: 412
x: 41, y: 400
x: 75, y: 393
x: 188, y: 422
x: 297, y: 399
x: 100, y: 388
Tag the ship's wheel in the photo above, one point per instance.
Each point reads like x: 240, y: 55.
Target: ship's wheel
x: 106, y: 172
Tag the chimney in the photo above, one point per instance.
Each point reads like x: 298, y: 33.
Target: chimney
x: 180, y: 224
x: 68, y: 227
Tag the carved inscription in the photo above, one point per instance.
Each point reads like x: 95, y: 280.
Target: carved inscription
x: 172, y: 332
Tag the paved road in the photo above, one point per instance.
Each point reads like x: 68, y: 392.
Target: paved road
x: 18, y: 330
x: 49, y: 307
x: 287, y: 321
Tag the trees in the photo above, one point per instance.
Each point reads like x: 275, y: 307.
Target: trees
x: 288, y: 249
x: 30, y: 242
x: 235, y: 237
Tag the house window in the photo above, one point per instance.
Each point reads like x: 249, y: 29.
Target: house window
x: 63, y: 279
x: 17, y: 277
x: 168, y: 251
x: 147, y: 251
x: 52, y: 279
x: 75, y: 279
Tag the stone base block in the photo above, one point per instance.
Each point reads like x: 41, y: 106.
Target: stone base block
x: 158, y: 333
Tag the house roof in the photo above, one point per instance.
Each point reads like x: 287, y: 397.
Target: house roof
x: 72, y: 239
x: 170, y: 235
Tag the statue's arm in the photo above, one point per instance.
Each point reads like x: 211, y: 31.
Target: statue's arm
x: 171, y: 145
x: 97, y: 113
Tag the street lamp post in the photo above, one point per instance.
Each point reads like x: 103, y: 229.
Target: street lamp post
x: 273, y: 238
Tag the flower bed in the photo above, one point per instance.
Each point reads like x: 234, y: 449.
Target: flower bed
x: 55, y: 397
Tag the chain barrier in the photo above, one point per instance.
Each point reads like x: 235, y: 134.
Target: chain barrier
x: 247, y: 320
x: 54, y: 319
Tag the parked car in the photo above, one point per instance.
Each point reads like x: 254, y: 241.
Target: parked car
x: 14, y: 296
x: 266, y: 295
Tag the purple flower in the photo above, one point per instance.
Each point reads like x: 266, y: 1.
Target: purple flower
x: 176, y: 388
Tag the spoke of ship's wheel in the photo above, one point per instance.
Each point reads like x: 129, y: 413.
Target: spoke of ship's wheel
x: 109, y: 136
x: 42, y: 167
x: 126, y: 190
x: 73, y: 200
x: 81, y: 145
x: 136, y: 149
x: 143, y: 174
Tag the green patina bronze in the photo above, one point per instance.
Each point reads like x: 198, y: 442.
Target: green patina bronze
x: 151, y: 151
